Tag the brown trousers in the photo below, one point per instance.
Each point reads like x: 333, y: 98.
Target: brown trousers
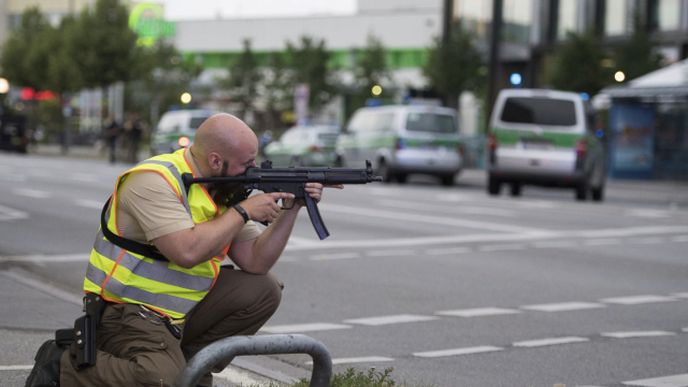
x: 133, y: 351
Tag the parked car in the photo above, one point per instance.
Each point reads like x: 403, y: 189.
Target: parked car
x: 403, y: 139
x: 304, y: 146
x: 544, y: 137
x: 176, y: 129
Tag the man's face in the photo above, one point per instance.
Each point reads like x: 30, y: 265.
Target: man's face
x: 237, y: 163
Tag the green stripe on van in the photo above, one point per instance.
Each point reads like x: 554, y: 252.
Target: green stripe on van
x: 559, y: 139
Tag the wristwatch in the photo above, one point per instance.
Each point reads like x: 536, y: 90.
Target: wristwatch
x: 241, y: 212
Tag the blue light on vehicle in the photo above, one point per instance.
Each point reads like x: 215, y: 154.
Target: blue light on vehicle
x: 599, y: 133
x: 516, y: 79
x: 585, y: 96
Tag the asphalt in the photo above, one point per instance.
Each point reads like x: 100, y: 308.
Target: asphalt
x: 32, y: 308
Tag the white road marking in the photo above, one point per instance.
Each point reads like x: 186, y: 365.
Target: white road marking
x: 563, y: 306
x: 684, y: 329
x: 436, y: 220
x: 680, y: 295
x: 39, y: 258
x: 550, y: 341
x: 94, y: 204
x: 553, y: 244
x: 297, y: 241
x: 85, y: 177
x: 240, y: 377
x: 633, y: 334
x: 32, y: 193
x: 504, y: 247
x: 7, y: 213
x: 388, y: 253
x: 298, y: 328
x: 535, y: 204
x: 648, y: 213
x: 448, y: 251
x: 393, y: 319
x: 16, y: 367
x: 472, y: 210
x: 680, y: 380
x: 351, y: 360
x: 477, y: 312
x: 635, y: 300
x: 458, y: 351
x: 334, y: 256
x: 647, y: 240
x: 489, y: 237
x: 680, y: 238
x: 601, y: 242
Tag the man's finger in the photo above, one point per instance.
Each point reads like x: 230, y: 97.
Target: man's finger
x: 281, y: 195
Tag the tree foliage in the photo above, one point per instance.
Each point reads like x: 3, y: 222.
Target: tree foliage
x: 577, y: 65
x: 454, y: 66
x: 24, y: 54
x: 370, y: 68
x: 104, y: 47
x: 244, y: 78
x: 635, y: 56
x: 307, y: 64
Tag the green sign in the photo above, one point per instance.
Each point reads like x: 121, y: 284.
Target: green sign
x: 147, y: 20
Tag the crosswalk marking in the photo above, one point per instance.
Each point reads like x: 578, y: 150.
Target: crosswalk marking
x: 393, y: 319
x: 458, y: 351
x: 680, y: 380
x: 299, y: 328
x: 634, y: 300
x: 477, y: 312
x: 563, y: 306
x: 550, y: 341
x: 634, y: 334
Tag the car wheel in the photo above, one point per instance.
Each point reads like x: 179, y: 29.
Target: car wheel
x: 597, y: 193
x: 401, y: 178
x: 515, y: 189
x: 493, y: 186
x: 383, y: 170
x: 447, y: 180
x: 339, y: 161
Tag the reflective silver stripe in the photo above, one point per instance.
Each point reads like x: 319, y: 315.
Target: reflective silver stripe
x: 175, y: 173
x: 156, y: 271
x: 165, y: 301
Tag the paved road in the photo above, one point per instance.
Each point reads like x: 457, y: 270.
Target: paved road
x: 446, y: 285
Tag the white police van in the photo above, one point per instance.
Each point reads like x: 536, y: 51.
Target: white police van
x: 401, y: 140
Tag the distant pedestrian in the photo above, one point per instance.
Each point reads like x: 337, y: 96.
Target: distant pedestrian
x: 134, y: 128
x: 111, y: 134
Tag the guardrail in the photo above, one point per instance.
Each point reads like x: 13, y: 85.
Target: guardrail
x: 227, y: 348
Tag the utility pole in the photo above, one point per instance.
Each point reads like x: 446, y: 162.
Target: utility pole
x: 447, y: 18
x: 494, y: 72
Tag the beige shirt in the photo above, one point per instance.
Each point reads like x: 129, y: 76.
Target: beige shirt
x: 148, y: 208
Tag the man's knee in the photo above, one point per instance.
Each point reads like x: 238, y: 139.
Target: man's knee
x: 269, y: 291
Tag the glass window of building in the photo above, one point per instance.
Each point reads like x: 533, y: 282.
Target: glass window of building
x: 475, y: 16
x: 668, y: 15
x: 567, y: 17
x: 615, y: 17
x: 518, y: 17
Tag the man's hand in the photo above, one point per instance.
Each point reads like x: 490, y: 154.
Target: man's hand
x: 314, y: 190
x: 264, y: 207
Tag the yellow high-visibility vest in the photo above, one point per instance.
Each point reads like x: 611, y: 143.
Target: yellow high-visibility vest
x: 123, y: 276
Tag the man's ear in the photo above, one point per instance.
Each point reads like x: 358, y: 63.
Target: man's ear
x: 214, y: 161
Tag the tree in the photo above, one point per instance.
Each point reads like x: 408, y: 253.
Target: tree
x: 577, y: 65
x: 370, y: 69
x: 104, y: 48
x: 636, y: 56
x: 454, y: 66
x: 243, y: 80
x: 24, y: 56
x: 276, y: 90
x: 308, y: 65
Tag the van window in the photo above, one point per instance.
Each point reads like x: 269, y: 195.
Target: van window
x: 196, y: 122
x: 368, y: 121
x: 539, y: 111
x: 430, y: 122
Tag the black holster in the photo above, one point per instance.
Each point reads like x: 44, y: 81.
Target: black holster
x: 83, y: 336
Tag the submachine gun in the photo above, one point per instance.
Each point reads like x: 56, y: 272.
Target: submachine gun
x: 292, y: 179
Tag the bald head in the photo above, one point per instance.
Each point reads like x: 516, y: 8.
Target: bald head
x: 224, y: 137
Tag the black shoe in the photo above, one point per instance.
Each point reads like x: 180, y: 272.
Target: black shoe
x: 46, y: 370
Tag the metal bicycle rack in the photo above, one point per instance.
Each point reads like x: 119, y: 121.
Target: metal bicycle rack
x: 230, y: 347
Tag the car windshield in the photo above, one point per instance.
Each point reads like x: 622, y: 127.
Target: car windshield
x: 431, y: 122
x: 539, y: 111
x: 196, y: 122
x: 328, y: 137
